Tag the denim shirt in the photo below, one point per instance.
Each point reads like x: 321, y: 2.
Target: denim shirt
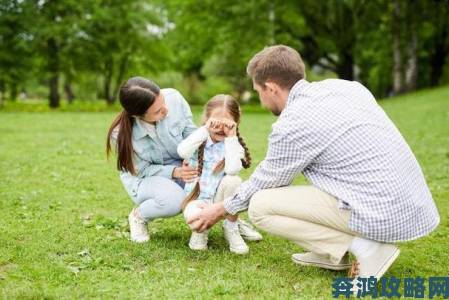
x: 148, y: 158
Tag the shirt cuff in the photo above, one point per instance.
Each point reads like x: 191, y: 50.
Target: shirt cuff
x: 230, y: 207
x: 231, y: 139
x: 167, y: 171
x: 204, y: 133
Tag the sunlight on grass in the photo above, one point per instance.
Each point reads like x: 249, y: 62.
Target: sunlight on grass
x: 64, y: 230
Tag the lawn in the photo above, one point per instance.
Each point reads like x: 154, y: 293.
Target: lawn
x: 63, y: 217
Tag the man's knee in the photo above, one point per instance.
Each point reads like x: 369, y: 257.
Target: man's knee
x: 257, y: 207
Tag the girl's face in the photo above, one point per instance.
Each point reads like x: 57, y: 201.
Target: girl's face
x: 220, y: 113
x: 157, y: 111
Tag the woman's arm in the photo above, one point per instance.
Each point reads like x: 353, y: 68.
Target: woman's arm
x: 234, y: 153
x: 188, y: 146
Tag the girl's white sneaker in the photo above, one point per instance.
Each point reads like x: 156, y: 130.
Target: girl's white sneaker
x: 248, y: 232
x: 198, y: 241
x: 138, y: 227
x: 236, y: 243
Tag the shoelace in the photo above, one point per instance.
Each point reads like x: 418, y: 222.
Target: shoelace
x: 354, y: 271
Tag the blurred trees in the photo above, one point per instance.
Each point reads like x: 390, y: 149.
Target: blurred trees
x: 86, y: 49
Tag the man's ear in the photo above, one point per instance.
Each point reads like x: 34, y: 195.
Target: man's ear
x: 272, y: 86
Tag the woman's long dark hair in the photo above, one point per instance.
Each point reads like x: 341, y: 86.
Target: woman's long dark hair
x: 136, y: 96
x: 232, y: 106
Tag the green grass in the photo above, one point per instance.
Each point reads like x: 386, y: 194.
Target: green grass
x: 63, y: 231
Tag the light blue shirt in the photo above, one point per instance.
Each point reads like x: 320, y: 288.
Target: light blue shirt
x: 148, y: 153
x: 209, y: 181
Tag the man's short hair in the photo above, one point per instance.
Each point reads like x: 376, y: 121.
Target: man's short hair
x: 280, y: 64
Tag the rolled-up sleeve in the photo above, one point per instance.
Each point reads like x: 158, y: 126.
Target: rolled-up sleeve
x: 285, y: 158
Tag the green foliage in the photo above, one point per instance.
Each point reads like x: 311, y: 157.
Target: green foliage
x: 87, y: 49
x: 63, y: 217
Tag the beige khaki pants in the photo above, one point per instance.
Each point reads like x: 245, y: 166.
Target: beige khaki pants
x: 227, y: 188
x: 305, y: 215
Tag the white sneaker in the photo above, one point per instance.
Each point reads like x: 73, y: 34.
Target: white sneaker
x: 248, y: 232
x: 236, y: 243
x: 321, y: 261
x: 137, y: 227
x: 377, y: 263
x: 198, y: 241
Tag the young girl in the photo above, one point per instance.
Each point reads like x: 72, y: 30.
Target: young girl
x: 219, y: 153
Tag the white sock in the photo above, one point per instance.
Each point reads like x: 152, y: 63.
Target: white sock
x: 231, y: 225
x: 361, y: 247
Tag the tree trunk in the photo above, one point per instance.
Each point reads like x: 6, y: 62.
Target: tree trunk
x: 2, y: 92
x: 121, y: 74
x: 272, y: 22
x: 53, y: 68
x: 109, y: 65
x: 411, y: 72
x: 437, y: 61
x: 397, y: 54
x: 13, y: 92
x: 345, y: 66
x: 192, y: 84
x: 439, y: 56
x: 69, y: 91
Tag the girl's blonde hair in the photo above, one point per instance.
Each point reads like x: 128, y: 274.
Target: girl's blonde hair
x: 232, y: 106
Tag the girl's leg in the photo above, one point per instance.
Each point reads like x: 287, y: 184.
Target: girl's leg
x: 227, y: 188
x: 198, y: 241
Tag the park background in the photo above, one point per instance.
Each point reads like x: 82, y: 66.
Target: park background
x: 63, y: 211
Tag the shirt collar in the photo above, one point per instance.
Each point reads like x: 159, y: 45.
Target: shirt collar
x: 139, y: 130
x: 298, y: 88
x: 209, y: 142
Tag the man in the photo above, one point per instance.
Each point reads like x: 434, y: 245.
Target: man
x: 368, y: 190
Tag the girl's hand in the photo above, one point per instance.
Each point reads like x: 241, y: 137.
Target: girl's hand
x: 229, y: 128
x: 213, y: 125
x: 186, y: 173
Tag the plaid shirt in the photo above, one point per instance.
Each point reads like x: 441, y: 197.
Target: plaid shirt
x: 336, y: 134
x: 213, y: 154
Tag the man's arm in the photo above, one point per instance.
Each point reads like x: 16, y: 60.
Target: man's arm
x: 290, y: 150
x: 283, y: 161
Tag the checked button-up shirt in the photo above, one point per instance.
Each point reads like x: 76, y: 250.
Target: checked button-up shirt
x: 335, y: 133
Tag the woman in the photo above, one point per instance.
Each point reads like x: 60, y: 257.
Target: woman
x: 146, y: 135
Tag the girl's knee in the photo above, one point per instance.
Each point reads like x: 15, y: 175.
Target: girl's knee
x: 231, y: 181
x: 191, y: 209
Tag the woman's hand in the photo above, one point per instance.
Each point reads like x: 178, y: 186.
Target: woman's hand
x: 186, y: 173
x: 229, y: 128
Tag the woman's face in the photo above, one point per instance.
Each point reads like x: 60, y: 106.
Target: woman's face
x: 220, y: 113
x: 157, y: 111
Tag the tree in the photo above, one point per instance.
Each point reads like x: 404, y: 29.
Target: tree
x: 57, y: 24
x: 438, y: 13
x: 118, y: 34
x: 16, y: 61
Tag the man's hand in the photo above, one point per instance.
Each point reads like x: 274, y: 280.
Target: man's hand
x: 186, y: 172
x: 209, y: 215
